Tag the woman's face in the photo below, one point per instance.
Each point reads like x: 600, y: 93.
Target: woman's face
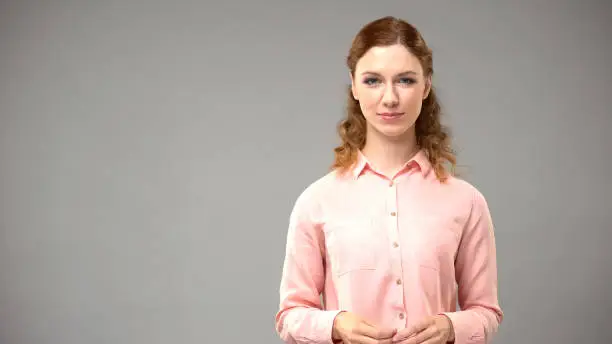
x: 390, y: 87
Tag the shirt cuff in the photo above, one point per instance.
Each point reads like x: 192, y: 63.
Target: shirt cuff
x: 327, y: 325
x: 464, y: 330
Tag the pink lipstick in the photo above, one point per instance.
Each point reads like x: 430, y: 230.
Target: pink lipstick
x: 388, y: 116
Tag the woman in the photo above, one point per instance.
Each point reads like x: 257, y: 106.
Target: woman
x: 382, y: 248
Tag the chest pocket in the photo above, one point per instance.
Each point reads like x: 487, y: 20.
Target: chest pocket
x: 353, y: 244
x: 437, y: 240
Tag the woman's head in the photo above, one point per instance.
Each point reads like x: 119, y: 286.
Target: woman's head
x: 391, y: 94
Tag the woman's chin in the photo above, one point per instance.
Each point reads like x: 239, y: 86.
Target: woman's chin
x: 393, y: 132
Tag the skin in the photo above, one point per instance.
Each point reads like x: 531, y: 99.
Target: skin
x: 390, y: 80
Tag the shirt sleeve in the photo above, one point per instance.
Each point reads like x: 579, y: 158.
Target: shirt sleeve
x: 300, y: 318
x: 476, y: 274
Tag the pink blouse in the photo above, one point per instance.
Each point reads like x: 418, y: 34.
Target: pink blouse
x: 393, y: 251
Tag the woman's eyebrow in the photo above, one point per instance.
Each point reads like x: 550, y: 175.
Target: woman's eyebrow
x: 408, y: 72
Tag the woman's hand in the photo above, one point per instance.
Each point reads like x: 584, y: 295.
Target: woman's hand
x: 433, y: 330
x: 351, y: 329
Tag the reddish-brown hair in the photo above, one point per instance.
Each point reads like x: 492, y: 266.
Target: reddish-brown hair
x: 431, y: 136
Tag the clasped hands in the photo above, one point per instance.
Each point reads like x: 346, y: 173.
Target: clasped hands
x: 351, y: 329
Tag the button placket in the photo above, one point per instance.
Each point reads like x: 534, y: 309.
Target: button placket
x: 395, y: 251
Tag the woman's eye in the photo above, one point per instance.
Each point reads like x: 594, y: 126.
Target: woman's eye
x: 408, y: 81
x: 370, y: 81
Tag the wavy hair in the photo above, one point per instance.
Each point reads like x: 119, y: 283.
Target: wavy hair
x: 431, y: 135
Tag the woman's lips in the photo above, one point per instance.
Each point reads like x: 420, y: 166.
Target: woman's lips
x: 391, y: 115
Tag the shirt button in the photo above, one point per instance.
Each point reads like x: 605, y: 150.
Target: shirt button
x: 393, y: 213
x: 399, y: 281
x: 390, y: 183
x: 395, y: 244
x: 401, y: 315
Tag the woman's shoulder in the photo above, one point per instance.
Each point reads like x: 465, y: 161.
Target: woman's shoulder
x: 320, y: 187
x: 464, y: 191
x: 309, y: 201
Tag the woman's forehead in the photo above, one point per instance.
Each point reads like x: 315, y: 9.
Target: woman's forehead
x: 393, y: 59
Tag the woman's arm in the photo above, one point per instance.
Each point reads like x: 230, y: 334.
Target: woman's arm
x: 300, y: 318
x: 476, y: 274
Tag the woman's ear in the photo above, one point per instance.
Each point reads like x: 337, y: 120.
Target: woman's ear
x: 427, y: 87
x: 353, y: 88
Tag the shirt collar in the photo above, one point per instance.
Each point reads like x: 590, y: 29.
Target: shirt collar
x: 419, y: 160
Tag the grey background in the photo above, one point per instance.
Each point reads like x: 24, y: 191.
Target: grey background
x: 150, y: 154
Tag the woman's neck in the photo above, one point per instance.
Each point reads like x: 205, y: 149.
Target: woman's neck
x: 388, y: 156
